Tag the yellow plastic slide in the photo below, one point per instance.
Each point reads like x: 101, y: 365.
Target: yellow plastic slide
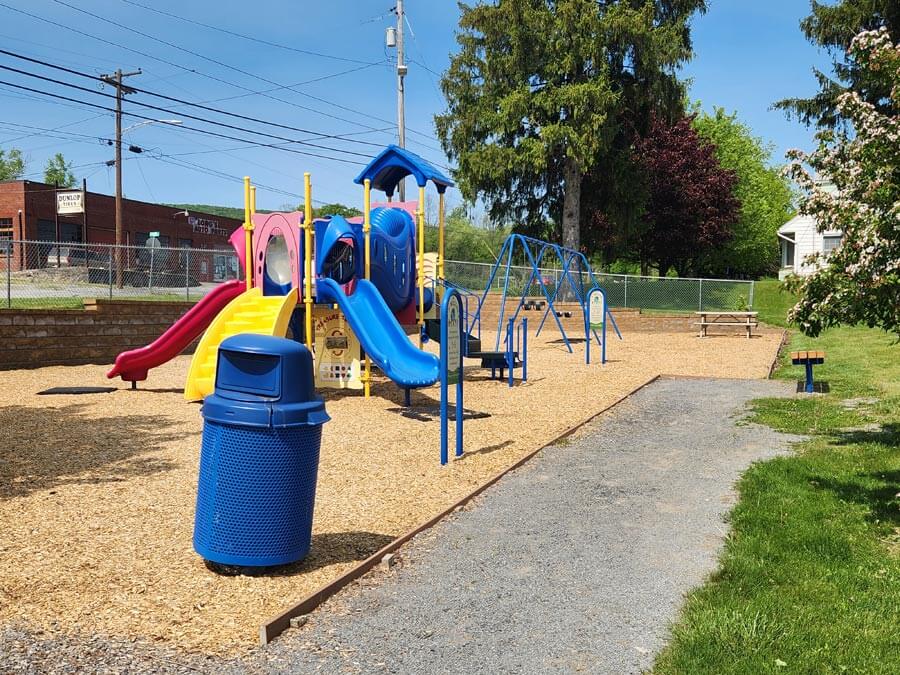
x: 250, y: 312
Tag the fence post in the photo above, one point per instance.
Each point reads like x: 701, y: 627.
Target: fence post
x: 750, y: 302
x: 626, y: 290
x: 109, y: 250
x: 701, y: 296
x: 9, y: 274
x: 187, y: 274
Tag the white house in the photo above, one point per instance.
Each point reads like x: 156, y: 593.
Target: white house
x: 799, y: 238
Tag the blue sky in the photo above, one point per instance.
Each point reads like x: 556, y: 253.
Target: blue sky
x: 748, y: 54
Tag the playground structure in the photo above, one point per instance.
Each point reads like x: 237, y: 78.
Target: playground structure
x: 352, y: 289
x: 372, y: 271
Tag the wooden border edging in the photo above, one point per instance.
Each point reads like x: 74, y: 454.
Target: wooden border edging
x: 281, y: 622
x: 781, y: 345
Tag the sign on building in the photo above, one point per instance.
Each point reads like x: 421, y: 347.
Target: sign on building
x: 69, y: 202
x: 206, y: 226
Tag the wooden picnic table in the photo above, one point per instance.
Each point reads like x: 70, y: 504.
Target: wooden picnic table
x: 747, y: 320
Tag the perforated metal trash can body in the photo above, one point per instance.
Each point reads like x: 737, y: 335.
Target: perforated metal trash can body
x: 259, y: 457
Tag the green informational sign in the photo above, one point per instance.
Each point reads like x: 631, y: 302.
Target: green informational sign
x: 453, y: 346
x: 596, y: 311
x: 154, y: 234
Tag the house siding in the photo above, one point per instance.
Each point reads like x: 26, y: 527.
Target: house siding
x: 808, y: 241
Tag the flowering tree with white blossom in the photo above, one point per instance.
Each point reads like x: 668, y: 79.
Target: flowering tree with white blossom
x: 859, y: 282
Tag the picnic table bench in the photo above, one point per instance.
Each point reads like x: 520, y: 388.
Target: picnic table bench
x: 808, y: 359
x: 746, y: 319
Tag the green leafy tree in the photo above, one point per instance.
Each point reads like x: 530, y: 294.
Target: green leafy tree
x: 466, y: 241
x: 832, y: 27
x: 859, y: 281
x: 535, y: 97
x: 12, y: 164
x: 336, y: 209
x: 764, y: 194
x: 58, y: 171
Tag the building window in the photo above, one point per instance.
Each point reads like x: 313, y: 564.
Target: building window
x: 831, y: 242
x: 787, y: 250
x: 6, y: 235
x: 140, y: 238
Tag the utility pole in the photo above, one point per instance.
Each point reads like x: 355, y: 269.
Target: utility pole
x: 116, y: 81
x: 401, y: 94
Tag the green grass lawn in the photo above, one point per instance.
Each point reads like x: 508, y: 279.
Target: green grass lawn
x: 772, y: 302
x: 810, y: 577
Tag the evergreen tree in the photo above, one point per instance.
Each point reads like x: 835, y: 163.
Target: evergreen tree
x: 833, y: 27
x: 540, y: 91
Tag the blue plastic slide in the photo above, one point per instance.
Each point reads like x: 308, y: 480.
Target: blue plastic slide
x: 380, y: 334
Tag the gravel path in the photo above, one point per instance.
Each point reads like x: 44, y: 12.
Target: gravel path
x: 576, y: 562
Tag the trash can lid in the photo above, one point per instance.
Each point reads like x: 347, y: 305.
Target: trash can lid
x: 264, y: 368
x: 277, y: 415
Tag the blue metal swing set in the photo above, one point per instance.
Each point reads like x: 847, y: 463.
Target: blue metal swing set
x: 535, y: 252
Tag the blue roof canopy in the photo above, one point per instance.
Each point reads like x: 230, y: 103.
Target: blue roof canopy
x: 394, y: 163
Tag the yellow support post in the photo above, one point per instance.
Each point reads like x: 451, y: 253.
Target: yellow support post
x: 307, y: 259
x: 367, y: 230
x: 420, y: 212
x: 248, y: 235
x: 440, y: 259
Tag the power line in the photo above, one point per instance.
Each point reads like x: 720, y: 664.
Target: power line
x: 248, y: 118
x: 250, y: 37
x: 184, y: 127
x: 178, y: 65
x: 182, y: 114
x: 223, y: 64
x: 218, y: 79
x: 62, y: 126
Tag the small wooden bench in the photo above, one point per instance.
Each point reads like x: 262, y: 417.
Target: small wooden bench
x: 808, y: 359
x: 746, y: 320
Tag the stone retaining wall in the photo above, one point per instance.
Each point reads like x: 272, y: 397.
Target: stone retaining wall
x: 31, y: 338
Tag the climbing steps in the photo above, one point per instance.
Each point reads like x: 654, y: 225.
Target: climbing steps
x: 250, y: 312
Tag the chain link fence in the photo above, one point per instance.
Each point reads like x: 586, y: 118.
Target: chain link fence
x: 44, y: 274
x: 674, y: 294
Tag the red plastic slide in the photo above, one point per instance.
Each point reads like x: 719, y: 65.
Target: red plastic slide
x: 133, y: 365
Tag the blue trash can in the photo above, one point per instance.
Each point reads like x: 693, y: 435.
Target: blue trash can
x: 259, y: 458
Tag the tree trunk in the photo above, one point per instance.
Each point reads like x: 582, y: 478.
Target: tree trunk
x: 571, y: 219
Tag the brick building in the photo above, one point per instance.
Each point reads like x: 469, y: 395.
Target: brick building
x: 28, y: 213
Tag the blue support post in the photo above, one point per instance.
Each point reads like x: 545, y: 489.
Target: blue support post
x: 809, y: 377
x: 451, y: 312
x: 525, y: 349
x: 460, y: 411
x: 503, y: 297
x: 603, y: 342
x: 509, y: 351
